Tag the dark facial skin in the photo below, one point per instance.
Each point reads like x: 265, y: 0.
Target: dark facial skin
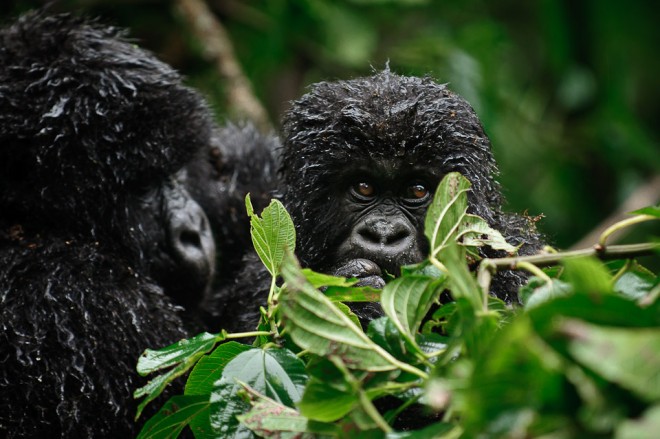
x: 384, y: 206
x: 177, y: 240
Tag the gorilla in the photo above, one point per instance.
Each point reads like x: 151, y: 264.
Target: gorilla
x: 100, y: 241
x: 360, y: 161
x: 238, y: 161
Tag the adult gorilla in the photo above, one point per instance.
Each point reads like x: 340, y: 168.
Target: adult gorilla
x: 96, y: 232
x: 360, y: 161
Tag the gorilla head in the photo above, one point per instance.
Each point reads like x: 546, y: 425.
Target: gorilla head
x: 92, y: 134
x: 96, y: 228
x: 361, y: 160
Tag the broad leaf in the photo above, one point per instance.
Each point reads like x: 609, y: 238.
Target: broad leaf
x: 172, y: 418
x: 446, y: 212
x: 200, y: 382
x: 316, y: 324
x: 276, y: 373
x: 271, y: 234
x: 632, y: 355
x: 407, y: 300
x: 538, y: 291
x: 269, y: 419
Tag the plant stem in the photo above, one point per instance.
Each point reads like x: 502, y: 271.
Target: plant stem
x: 603, y: 253
x: 622, y: 225
x: 248, y: 334
x: 536, y: 271
x: 369, y: 408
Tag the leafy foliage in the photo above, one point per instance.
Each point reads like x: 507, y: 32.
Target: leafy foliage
x: 580, y: 359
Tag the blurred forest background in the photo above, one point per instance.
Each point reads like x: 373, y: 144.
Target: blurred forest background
x: 568, y: 91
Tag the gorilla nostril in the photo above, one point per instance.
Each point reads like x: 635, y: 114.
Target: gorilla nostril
x: 384, y: 234
x: 396, y: 237
x: 189, y: 238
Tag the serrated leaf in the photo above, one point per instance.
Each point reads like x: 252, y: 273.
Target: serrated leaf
x: 446, y: 212
x: 172, y: 418
x: 475, y: 232
x: 184, y: 354
x: 316, y: 324
x: 152, y: 360
x: 271, y: 233
x: 407, y: 300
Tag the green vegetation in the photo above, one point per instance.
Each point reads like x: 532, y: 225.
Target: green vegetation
x: 580, y: 359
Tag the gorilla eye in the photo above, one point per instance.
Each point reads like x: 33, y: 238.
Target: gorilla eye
x: 364, y: 190
x: 417, y: 192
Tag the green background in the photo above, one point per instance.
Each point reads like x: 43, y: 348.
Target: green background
x: 568, y: 91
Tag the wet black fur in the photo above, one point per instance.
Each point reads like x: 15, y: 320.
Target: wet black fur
x: 89, y: 124
x: 385, y: 118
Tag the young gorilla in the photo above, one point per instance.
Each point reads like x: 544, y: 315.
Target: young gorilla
x: 360, y: 161
x: 94, y: 225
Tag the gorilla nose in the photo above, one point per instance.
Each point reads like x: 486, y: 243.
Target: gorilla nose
x: 192, y: 239
x: 392, y: 236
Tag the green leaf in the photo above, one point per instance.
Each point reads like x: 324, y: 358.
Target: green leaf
x: 476, y: 232
x: 636, y: 282
x: 649, y: 210
x: 276, y: 373
x: 353, y: 294
x: 632, y: 357
x: 437, y: 430
x: 538, y: 291
x: 446, y: 212
x: 587, y: 274
x: 209, y: 368
x: 317, y: 325
x: 326, y: 401
x: 645, y: 427
x: 184, y: 354
x: 268, y: 419
x: 319, y: 280
x: 200, y: 382
x: 271, y: 234
x: 172, y: 418
x: 152, y: 360
x: 407, y: 300
x: 461, y: 281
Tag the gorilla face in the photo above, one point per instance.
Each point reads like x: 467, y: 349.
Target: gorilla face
x: 361, y: 160
x: 177, y: 242
x: 383, y: 205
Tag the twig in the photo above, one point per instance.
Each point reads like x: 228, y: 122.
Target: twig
x: 645, y: 195
x: 546, y: 260
x: 219, y: 50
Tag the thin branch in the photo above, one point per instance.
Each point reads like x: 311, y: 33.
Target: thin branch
x: 220, y: 51
x: 603, y: 253
x: 643, y: 196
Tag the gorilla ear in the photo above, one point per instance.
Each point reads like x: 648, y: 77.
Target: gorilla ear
x: 83, y: 107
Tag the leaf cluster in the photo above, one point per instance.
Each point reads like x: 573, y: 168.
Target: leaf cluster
x: 580, y: 359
